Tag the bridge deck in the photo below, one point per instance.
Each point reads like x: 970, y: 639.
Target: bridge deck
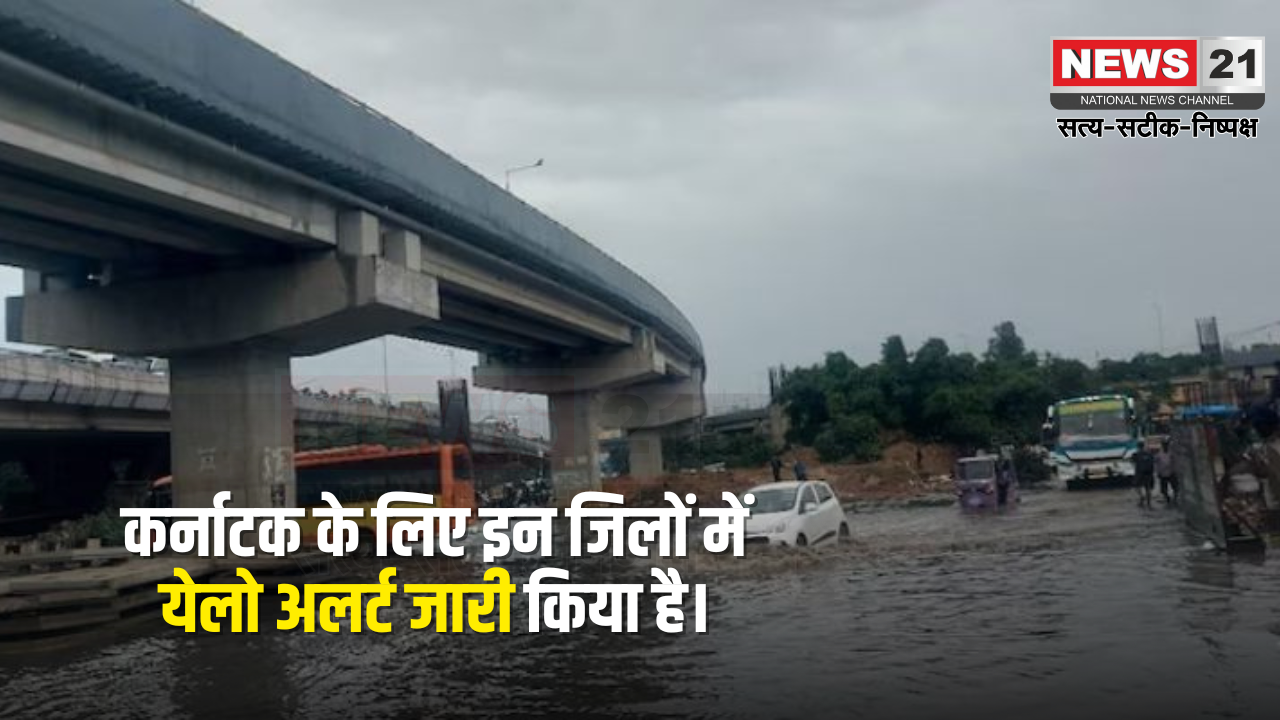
x: 219, y: 83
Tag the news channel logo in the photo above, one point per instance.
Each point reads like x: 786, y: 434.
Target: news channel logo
x: 1190, y: 76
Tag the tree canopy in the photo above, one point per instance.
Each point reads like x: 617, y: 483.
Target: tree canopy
x: 933, y: 394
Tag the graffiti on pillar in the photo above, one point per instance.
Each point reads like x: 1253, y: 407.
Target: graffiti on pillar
x: 208, y: 458
x: 276, y: 463
x: 625, y: 410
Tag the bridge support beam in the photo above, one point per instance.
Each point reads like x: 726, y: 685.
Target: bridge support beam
x: 575, y: 444
x: 232, y: 426
x: 644, y: 450
x: 313, y: 305
x: 654, y: 405
x: 229, y: 336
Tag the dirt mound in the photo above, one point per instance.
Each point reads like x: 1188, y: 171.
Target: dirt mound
x: 935, y: 459
x: 893, y: 477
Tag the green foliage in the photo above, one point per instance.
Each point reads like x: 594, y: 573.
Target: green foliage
x: 932, y: 394
x: 106, y: 526
x: 743, y: 450
x: 1029, y: 466
x: 849, y: 437
x: 1006, y: 346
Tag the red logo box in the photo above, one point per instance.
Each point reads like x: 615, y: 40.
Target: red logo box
x: 1167, y: 63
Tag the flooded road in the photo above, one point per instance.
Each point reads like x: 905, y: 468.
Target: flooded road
x: 1073, y: 604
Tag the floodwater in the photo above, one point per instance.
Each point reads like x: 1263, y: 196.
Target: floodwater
x: 1074, y: 604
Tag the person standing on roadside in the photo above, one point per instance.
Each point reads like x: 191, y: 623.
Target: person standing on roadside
x: 802, y: 473
x: 775, y: 464
x: 1168, y: 478
x: 1144, y: 475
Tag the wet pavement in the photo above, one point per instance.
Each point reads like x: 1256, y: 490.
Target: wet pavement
x: 1074, y: 604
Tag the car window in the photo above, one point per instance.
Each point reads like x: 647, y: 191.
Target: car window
x: 773, y: 500
x: 808, y: 496
x: 824, y: 492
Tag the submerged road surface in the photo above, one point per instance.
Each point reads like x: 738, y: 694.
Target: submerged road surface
x: 1075, y: 604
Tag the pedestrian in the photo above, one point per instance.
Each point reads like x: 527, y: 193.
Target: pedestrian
x: 802, y: 473
x: 1144, y: 475
x: 775, y: 464
x: 1168, y: 477
x: 1004, y: 478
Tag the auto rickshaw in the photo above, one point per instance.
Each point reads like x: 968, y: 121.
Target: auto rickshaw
x: 985, y: 482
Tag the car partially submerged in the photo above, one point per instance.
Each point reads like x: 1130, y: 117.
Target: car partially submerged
x: 794, y: 513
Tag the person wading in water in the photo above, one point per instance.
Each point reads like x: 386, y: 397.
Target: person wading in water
x: 1144, y: 475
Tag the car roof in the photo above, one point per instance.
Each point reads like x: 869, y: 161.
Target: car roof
x: 783, y: 485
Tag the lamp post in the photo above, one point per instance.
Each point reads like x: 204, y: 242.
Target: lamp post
x: 507, y: 183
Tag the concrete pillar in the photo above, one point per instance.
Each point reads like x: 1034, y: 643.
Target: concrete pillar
x: 644, y: 449
x: 232, y: 427
x: 575, y: 445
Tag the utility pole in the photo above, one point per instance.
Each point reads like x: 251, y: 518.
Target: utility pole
x: 386, y: 391
x: 1160, y: 326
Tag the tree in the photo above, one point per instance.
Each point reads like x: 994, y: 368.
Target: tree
x: 1006, y: 346
x: 805, y: 397
x: 854, y: 437
x: 893, y: 352
x: 1068, y: 378
x: 1018, y: 405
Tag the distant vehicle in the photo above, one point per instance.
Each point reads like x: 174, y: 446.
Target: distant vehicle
x: 158, y: 366
x: 528, y: 493
x: 795, y: 514
x: 1091, y: 440
x: 358, y: 475
x: 977, y: 483
x: 76, y: 355
x: 131, y: 363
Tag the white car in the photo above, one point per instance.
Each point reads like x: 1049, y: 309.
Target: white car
x: 794, y: 513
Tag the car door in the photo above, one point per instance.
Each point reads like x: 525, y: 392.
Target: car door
x: 830, y: 510
x: 810, y: 522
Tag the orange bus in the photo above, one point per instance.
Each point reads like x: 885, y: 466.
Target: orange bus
x: 358, y: 475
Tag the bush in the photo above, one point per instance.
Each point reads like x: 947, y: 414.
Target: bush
x: 853, y: 437
x: 1029, y: 466
x: 107, y: 526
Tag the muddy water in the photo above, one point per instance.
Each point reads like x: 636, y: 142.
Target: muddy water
x: 1074, y: 604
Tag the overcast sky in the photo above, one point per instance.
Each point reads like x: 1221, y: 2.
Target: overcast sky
x: 801, y: 177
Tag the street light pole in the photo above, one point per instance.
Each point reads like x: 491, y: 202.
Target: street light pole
x: 507, y: 183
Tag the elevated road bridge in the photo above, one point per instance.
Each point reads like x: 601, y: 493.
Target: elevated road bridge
x: 173, y: 189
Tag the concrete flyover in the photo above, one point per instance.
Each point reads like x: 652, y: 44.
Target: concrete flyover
x: 173, y: 189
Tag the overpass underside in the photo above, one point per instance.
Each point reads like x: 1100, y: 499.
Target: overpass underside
x: 143, y: 236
